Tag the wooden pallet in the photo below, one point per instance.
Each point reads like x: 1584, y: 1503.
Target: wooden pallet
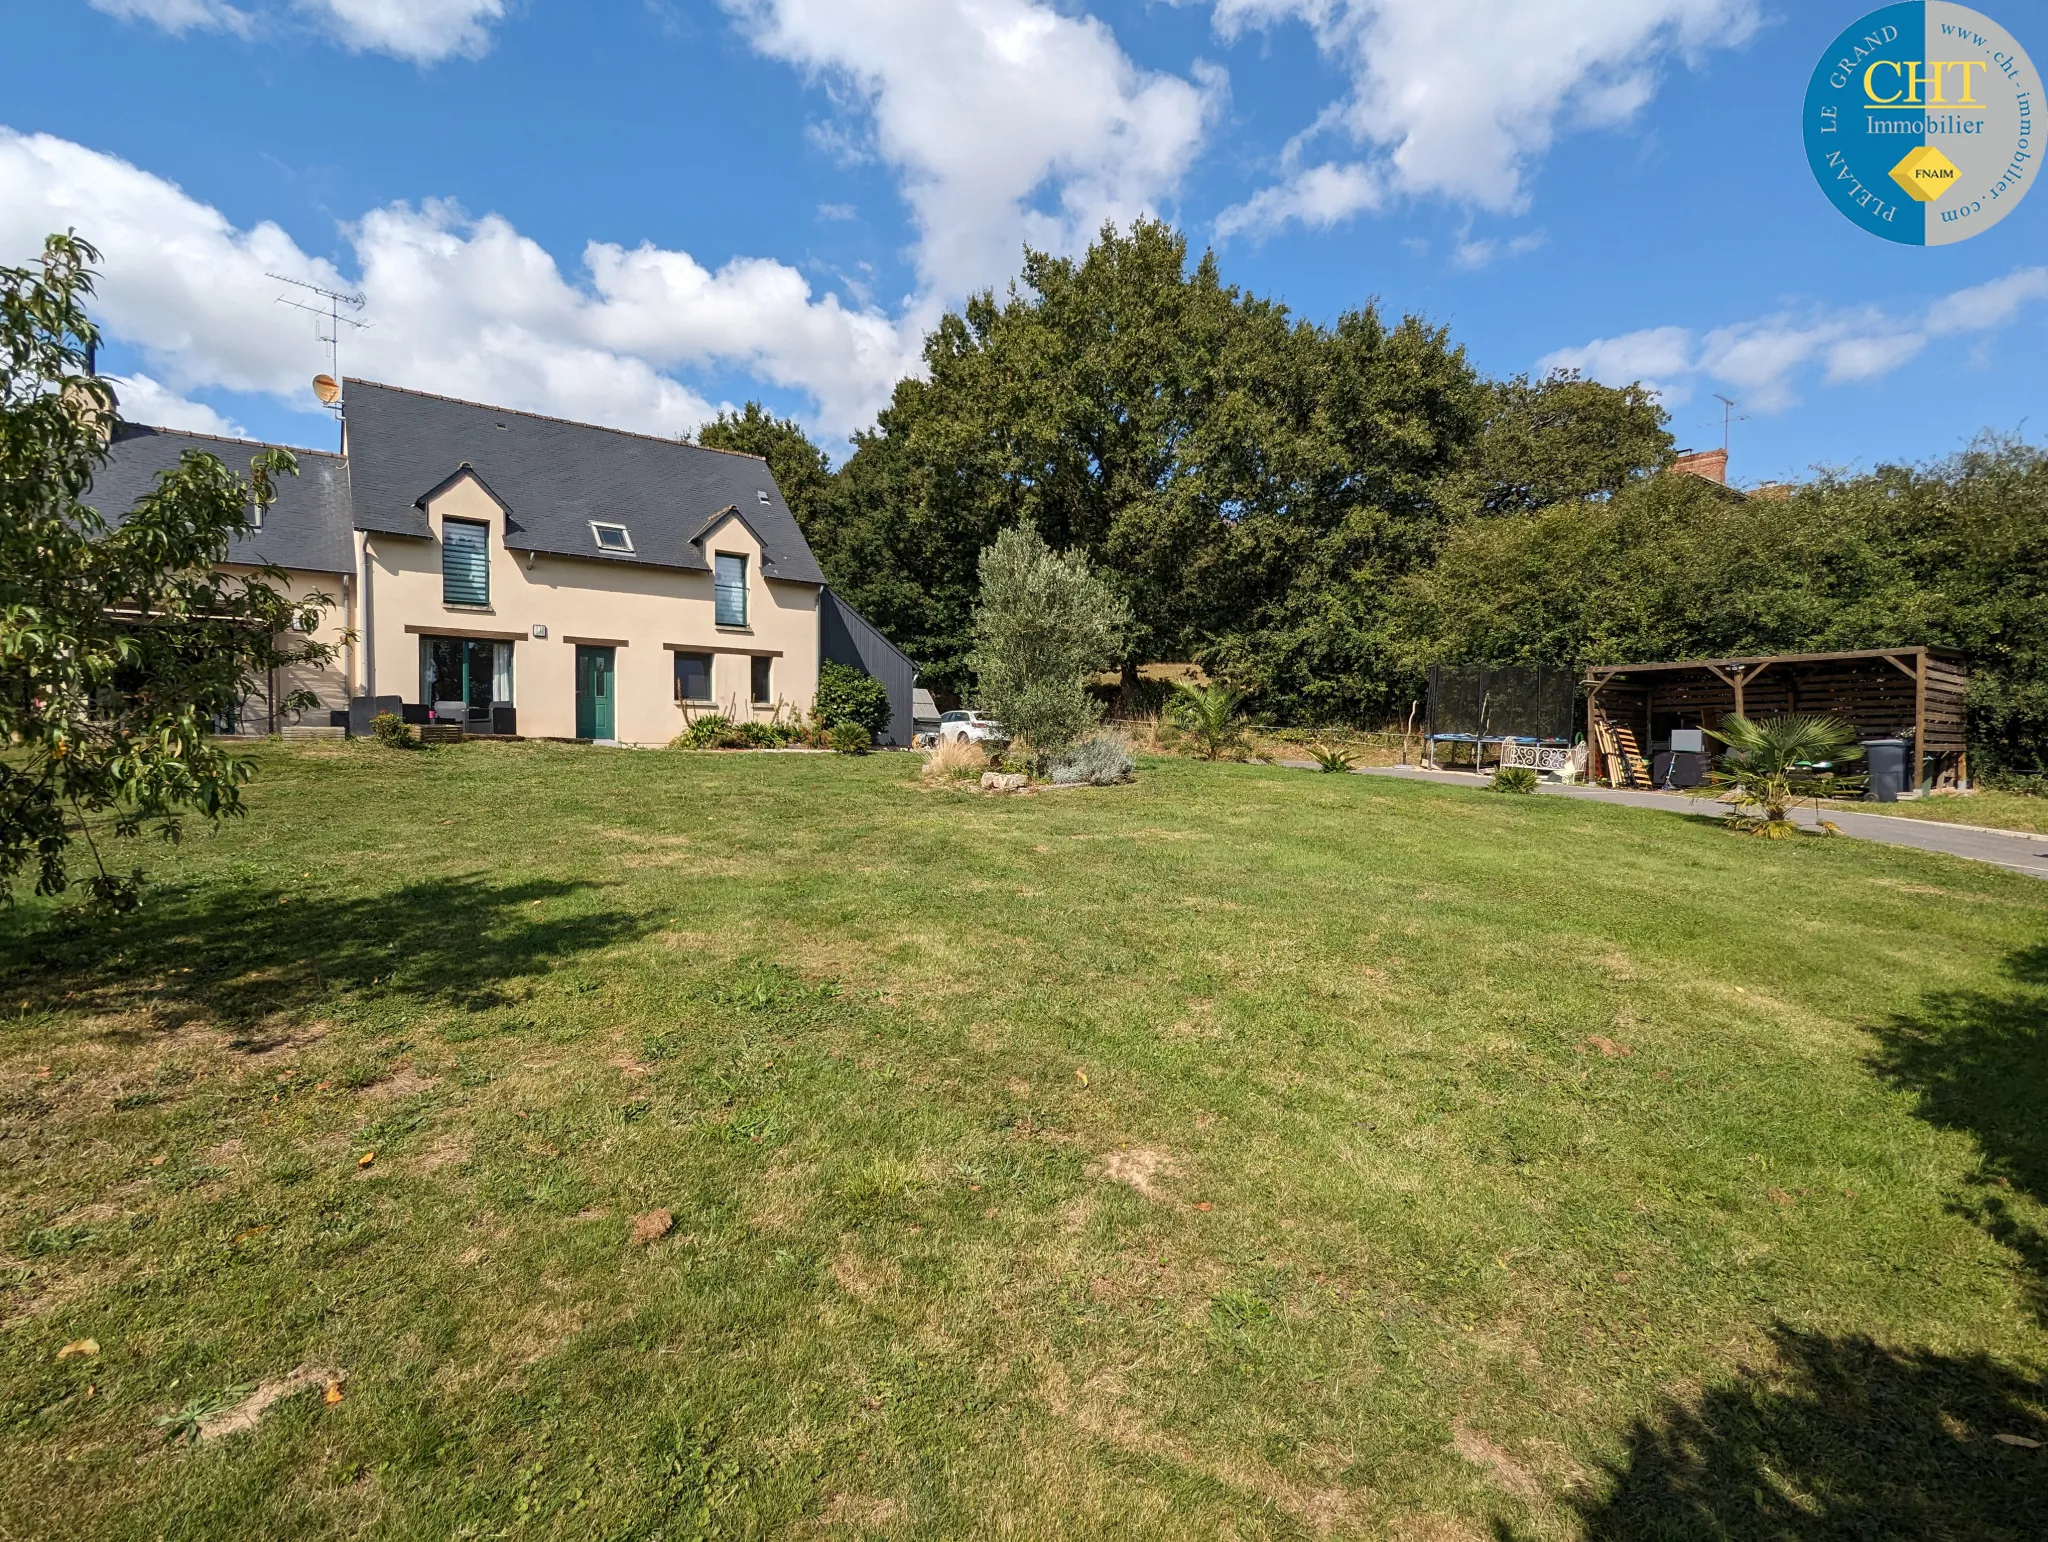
x: 1618, y: 748
x: 442, y: 733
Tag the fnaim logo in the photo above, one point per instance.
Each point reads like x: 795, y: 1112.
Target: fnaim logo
x: 1921, y: 123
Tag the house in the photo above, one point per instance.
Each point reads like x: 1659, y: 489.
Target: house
x: 525, y: 575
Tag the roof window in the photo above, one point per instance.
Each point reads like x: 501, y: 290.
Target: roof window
x: 761, y: 493
x: 611, y: 537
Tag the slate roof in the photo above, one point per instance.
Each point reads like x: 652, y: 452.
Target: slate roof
x: 307, y: 527
x: 554, y: 477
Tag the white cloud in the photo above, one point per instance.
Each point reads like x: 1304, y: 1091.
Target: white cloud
x: 1460, y: 98
x: 178, y: 17
x: 1007, y: 120
x: 459, y: 305
x: 1988, y: 305
x: 144, y: 400
x: 1761, y: 361
x: 1472, y: 255
x: 1659, y: 357
x: 422, y: 31
x: 1317, y: 196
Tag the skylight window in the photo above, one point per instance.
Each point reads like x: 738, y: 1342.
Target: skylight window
x: 611, y: 537
x: 761, y: 493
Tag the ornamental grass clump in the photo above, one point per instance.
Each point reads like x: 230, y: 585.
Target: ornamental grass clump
x: 955, y: 760
x: 849, y: 739
x: 1100, y: 760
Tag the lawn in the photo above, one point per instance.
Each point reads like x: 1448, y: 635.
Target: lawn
x: 1244, y: 1153
x: 1994, y: 810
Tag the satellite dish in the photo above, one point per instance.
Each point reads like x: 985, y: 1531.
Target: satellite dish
x: 325, y: 387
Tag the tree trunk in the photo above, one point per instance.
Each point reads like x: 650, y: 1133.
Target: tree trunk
x: 1127, y: 704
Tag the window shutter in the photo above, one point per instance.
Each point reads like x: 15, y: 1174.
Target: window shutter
x: 465, y: 563
x: 731, y: 590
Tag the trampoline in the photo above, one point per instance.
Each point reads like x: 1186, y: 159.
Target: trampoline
x: 1519, y: 711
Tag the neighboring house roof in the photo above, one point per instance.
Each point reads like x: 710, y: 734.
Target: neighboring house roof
x: 554, y: 478
x: 306, y: 528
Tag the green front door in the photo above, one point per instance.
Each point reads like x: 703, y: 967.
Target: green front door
x: 594, y: 693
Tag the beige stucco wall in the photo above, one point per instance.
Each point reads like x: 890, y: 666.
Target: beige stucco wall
x: 329, y: 682
x: 645, y: 612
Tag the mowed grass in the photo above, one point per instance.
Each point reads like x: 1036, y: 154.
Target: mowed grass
x: 1243, y: 1153
x: 1994, y: 810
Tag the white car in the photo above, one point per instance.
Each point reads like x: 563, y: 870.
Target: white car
x: 977, y: 727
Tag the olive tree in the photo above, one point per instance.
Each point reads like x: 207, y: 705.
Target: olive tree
x: 119, y: 644
x: 1044, y: 622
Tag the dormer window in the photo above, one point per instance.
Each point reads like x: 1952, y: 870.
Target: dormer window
x: 465, y: 562
x: 611, y: 537
x: 729, y: 589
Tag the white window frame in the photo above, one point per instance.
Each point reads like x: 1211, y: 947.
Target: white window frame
x: 603, y: 524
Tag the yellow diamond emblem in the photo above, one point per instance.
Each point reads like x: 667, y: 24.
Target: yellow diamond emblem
x: 1925, y: 173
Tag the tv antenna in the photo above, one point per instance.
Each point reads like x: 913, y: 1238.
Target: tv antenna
x: 1729, y: 417
x: 326, y: 387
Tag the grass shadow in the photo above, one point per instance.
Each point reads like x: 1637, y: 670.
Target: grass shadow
x: 1841, y: 1438
x: 240, y: 955
x: 1978, y: 1061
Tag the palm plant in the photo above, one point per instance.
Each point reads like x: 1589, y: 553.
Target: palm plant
x: 1208, y: 714
x: 1332, y: 757
x: 1774, y: 763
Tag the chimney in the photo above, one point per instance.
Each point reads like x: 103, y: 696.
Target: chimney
x: 89, y: 411
x: 1709, y: 465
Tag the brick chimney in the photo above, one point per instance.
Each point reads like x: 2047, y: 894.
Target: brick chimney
x: 1711, y: 465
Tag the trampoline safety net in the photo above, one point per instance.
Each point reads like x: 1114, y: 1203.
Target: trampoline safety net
x: 1519, y: 701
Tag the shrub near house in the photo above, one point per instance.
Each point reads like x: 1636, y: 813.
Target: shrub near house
x: 849, y: 695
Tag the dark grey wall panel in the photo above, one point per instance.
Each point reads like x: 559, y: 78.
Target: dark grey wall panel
x: 845, y: 637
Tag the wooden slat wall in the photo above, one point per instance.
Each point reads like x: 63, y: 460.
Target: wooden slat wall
x: 1875, y: 696
x: 1700, y: 693
x: 1948, y: 681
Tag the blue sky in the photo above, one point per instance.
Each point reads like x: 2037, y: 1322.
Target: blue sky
x: 636, y: 211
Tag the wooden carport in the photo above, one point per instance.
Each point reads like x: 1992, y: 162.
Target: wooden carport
x: 1907, y: 693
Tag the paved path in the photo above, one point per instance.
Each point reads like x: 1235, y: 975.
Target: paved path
x: 2003, y: 848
